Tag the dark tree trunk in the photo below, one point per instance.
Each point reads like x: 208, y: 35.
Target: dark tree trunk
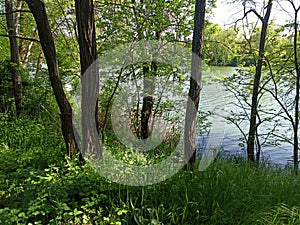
x: 38, y: 10
x: 190, y: 130
x: 296, y: 124
x: 148, y: 100
x: 90, y: 77
x: 14, y: 54
x: 253, y: 115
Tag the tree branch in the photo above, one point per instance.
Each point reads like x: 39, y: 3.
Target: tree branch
x: 246, y: 14
x: 19, y: 37
x: 15, y: 11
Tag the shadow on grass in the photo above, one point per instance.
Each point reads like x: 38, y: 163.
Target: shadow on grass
x: 39, y: 185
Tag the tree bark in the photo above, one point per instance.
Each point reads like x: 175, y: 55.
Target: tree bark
x: 39, y: 65
x: 296, y: 124
x: 38, y: 10
x: 18, y: 14
x: 25, y: 50
x: 148, y: 100
x: 190, y: 130
x: 253, y: 115
x: 14, y: 54
x: 90, y: 78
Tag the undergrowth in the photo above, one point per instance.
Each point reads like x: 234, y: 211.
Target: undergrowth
x: 40, y: 185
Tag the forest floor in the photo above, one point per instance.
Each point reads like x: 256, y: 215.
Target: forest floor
x: 39, y: 184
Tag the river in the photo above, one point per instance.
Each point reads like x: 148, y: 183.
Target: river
x: 226, y: 135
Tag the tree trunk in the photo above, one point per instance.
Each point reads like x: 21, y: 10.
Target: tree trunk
x: 18, y: 14
x: 14, y: 54
x: 22, y: 49
x: 25, y: 50
x: 38, y: 10
x: 190, y: 130
x: 148, y: 100
x: 39, y: 65
x: 296, y: 124
x: 253, y: 115
x: 90, y: 77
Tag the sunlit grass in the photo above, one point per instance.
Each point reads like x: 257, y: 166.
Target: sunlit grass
x: 39, y: 185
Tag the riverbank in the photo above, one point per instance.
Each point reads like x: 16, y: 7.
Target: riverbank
x: 39, y: 185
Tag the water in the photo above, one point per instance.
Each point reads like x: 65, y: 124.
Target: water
x: 226, y: 135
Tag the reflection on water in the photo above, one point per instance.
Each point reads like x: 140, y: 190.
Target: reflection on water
x: 227, y: 136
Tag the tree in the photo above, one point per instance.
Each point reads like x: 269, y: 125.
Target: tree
x: 293, y: 73
x: 278, y: 82
x: 195, y: 82
x: 145, y: 20
x: 296, y: 124
x: 148, y: 77
x: 90, y: 79
x: 14, y: 52
x: 258, y: 71
x: 37, y: 8
x: 148, y: 99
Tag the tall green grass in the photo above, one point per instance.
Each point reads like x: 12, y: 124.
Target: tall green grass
x: 39, y: 185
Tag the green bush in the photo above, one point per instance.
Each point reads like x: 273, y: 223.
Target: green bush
x: 39, y: 184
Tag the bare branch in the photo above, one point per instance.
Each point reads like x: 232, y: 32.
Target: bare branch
x: 19, y: 37
x: 249, y: 11
x: 15, y: 11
